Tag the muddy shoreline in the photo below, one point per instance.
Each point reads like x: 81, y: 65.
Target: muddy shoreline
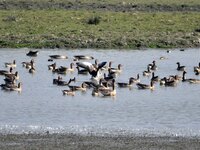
x: 87, y: 142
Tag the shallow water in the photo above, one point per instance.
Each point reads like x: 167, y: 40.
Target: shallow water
x: 41, y: 105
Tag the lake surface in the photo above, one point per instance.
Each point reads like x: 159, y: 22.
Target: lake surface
x: 41, y: 106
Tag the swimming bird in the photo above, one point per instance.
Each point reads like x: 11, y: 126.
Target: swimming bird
x: 170, y: 82
x: 70, y: 69
x: 180, y: 68
x: 153, y: 66
x: 190, y: 80
x: 13, y: 87
x: 197, y: 68
x: 116, y: 70
x: 58, y: 57
x: 124, y: 85
x: 136, y: 80
x: 13, y: 75
x: 82, y: 71
x: 197, y: 72
x: 4, y: 72
x: 68, y: 92
x: 147, y: 72
x: 28, y: 65
x: 145, y: 86
x: 32, y: 53
x: 32, y: 69
x: 83, y: 57
x: 52, y: 66
x: 78, y: 88
x: 154, y: 78
x: 13, y: 64
x: 109, y: 91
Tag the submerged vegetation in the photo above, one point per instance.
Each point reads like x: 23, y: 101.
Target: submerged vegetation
x: 94, y: 28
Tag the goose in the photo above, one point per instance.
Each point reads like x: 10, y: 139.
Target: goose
x: 68, y: 92
x: 136, y: 80
x: 52, y: 66
x: 13, y: 75
x: 70, y: 69
x: 32, y: 69
x: 3, y: 72
x: 170, y: 82
x: 28, y: 64
x: 32, y: 53
x: 154, y: 78
x: 116, y: 70
x: 197, y: 72
x: 109, y: 92
x: 145, y: 86
x: 180, y: 68
x: 82, y: 71
x: 124, y: 85
x: 190, y: 80
x: 83, y: 57
x: 78, y: 88
x: 9, y: 80
x: 197, y: 68
x: 13, y: 87
x: 55, y: 81
x: 60, y: 70
x: 60, y: 82
x: 153, y: 66
x: 13, y: 64
x: 147, y: 72
x: 58, y: 57
x: 95, y: 92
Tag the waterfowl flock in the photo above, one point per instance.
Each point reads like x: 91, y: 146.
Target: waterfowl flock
x: 102, y: 76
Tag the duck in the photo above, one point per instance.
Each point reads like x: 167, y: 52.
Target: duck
x: 13, y: 64
x: 68, y: 92
x: 153, y: 66
x: 154, y: 78
x: 58, y: 57
x: 145, y: 86
x: 147, y: 72
x: 124, y: 85
x: 109, y: 91
x: 83, y: 57
x: 180, y: 68
x: 136, y: 80
x: 190, y: 80
x: 32, y: 53
x: 13, y: 87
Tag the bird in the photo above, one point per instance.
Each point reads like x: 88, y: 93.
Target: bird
x: 83, y: 57
x: 153, y: 66
x: 13, y: 87
x: 154, y: 78
x: 124, y: 85
x: 145, y: 86
x: 28, y: 64
x: 82, y: 71
x: 68, y: 92
x: 180, y: 68
x: 190, y: 80
x: 4, y: 72
x: 170, y: 82
x: 13, y: 75
x: 78, y: 88
x: 58, y: 57
x: 13, y: 64
x: 70, y: 69
x: 32, y: 53
x: 147, y: 72
x: 136, y: 80
x: 109, y: 91
x: 32, y: 69
x: 197, y: 68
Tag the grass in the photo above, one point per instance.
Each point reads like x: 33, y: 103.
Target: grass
x: 61, y: 28
x: 115, y: 2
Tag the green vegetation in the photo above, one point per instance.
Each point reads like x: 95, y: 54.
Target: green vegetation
x: 70, y: 28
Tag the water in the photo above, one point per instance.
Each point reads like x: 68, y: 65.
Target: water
x: 41, y: 106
